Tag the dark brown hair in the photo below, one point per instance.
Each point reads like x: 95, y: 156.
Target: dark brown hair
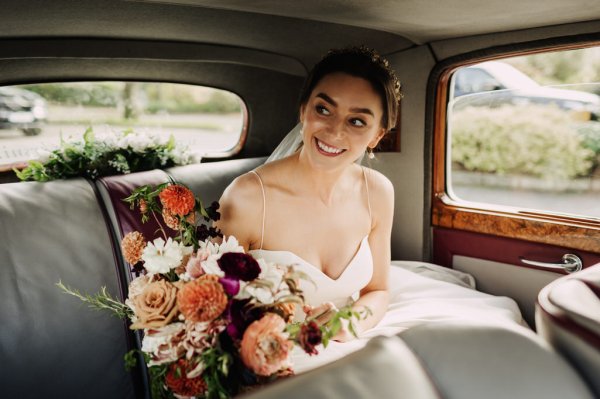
x: 365, y: 63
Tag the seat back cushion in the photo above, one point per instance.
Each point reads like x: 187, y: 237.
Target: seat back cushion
x: 209, y: 180
x: 51, y: 344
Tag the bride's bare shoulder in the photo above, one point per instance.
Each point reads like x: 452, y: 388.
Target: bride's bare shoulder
x: 243, y: 190
x: 381, y: 191
x: 241, y: 208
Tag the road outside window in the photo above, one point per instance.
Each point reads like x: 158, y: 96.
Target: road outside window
x: 36, y: 116
x: 524, y: 132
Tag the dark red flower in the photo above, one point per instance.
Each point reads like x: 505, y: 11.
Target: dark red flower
x: 240, y: 316
x: 177, y: 381
x: 239, y: 266
x: 309, y: 337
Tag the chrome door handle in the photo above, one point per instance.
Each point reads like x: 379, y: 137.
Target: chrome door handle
x: 570, y: 262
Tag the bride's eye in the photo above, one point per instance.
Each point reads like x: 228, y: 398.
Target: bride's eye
x: 322, y: 110
x: 357, y: 122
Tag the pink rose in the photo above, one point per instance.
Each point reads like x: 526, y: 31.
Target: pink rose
x: 265, y: 348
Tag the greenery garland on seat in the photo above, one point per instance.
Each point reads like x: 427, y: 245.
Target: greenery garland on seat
x: 115, y: 153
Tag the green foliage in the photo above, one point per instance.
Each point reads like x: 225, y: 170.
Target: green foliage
x: 218, y: 103
x: 94, y: 158
x: 100, y: 301
x: 217, y: 363
x: 590, y: 139
x: 532, y: 140
x: 561, y: 67
x: 102, y: 94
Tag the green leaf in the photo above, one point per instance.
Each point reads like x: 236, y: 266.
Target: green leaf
x: 131, y: 359
x: 88, y: 136
x: 171, y: 143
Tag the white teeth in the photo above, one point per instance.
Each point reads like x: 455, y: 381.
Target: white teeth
x: 326, y: 148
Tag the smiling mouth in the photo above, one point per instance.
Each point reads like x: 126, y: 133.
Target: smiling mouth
x: 327, y: 149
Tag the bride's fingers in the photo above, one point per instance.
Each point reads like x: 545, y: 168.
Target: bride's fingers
x: 321, y: 314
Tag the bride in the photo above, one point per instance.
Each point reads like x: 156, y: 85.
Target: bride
x: 317, y: 207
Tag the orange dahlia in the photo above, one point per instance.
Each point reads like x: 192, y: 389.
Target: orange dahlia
x: 180, y: 384
x: 133, y: 245
x: 179, y: 199
x: 203, y: 299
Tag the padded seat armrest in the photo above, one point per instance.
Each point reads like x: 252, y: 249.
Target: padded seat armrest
x: 568, y: 317
x: 385, y: 368
x: 472, y: 361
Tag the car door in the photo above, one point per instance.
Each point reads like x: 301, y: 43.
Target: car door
x: 516, y: 188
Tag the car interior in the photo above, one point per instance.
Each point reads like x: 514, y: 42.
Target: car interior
x: 526, y: 325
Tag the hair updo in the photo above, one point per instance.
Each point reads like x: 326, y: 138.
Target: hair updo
x: 361, y: 62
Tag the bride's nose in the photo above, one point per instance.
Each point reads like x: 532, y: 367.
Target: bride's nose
x: 336, y: 128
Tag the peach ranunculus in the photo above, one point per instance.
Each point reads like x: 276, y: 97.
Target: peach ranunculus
x: 173, y: 222
x: 265, y: 347
x: 203, y: 299
x: 170, y: 219
x: 178, y: 199
x: 156, y: 305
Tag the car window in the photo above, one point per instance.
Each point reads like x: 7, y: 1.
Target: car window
x: 37, y: 116
x: 473, y: 80
x: 533, y: 146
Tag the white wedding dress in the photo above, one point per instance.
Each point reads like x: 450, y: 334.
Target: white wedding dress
x: 414, y: 299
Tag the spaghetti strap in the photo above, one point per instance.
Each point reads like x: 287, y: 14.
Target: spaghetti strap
x: 367, y: 188
x: 262, y: 188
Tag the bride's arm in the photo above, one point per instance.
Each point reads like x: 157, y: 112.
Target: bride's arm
x: 375, y: 295
x: 241, y: 210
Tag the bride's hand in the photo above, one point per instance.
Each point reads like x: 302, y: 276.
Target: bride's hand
x: 322, y: 314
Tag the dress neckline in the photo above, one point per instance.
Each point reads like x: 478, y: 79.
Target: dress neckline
x: 316, y: 269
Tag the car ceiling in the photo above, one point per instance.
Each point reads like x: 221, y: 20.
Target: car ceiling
x: 301, y: 30
x: 421, y: 21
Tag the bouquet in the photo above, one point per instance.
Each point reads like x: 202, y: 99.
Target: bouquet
x: 214, y: 318
x: 106, y: 154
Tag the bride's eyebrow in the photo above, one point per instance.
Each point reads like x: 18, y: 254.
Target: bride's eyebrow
x: 331, y: 101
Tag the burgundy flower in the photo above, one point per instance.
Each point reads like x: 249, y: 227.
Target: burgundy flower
x: 240, y: 316
x: 231, y: 285
x: 310, y: 336
x: 239, y: 266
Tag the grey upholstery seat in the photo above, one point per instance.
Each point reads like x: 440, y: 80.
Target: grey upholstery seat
x: 51, y: 344
x: 568, y: 317
x: 469, y: 360
x: 385, y: 368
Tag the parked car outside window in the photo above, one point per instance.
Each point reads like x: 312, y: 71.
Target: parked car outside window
x: 23, y: 110
x: 515, y: 87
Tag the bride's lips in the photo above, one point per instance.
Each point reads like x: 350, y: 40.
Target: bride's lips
x: 328, y: 150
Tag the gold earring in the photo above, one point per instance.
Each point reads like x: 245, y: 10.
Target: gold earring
x: 370, y: 154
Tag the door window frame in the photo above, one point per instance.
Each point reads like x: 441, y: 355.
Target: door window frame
x: 577, y: 232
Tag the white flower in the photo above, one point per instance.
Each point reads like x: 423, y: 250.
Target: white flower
x: 215, y: 251
x: 164, y: 344
x: 265, y: 286
x: 270, y: 272
x: 230, y: 244
x: 44, y: 155
x: 161, y: 257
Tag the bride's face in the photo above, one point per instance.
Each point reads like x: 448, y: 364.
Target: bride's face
x: 341, y: 118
